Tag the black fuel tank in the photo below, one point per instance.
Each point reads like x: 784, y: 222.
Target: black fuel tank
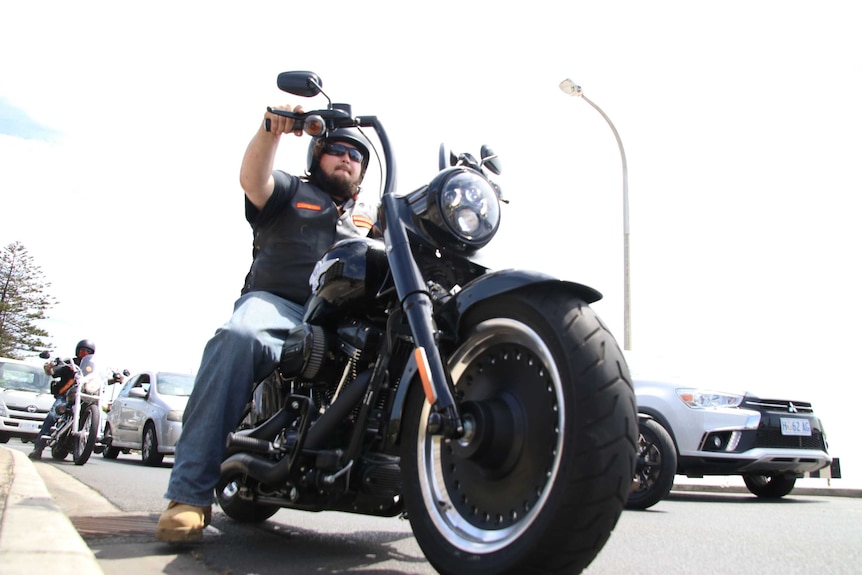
x: 347, y: 278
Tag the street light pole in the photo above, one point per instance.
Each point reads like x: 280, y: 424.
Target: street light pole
x: 573, y: 89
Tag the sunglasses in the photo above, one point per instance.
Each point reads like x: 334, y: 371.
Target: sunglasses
x: 340, y: 149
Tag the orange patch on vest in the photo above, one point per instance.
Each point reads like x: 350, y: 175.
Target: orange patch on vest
x: 305, y: 206
x: 363, y: 222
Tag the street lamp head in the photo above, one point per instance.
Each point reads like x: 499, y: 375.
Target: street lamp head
x: 571, y: 88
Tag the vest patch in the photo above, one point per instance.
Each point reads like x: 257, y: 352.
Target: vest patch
x: 307, y: 206
x: 362, y: 222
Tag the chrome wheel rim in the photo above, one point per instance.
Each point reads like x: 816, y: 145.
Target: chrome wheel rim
x: 485, y: 490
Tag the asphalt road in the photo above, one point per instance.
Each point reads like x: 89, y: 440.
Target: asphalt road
x: 689, y: 532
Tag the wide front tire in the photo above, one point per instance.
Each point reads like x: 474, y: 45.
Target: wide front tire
x: 542, y: 474
x: 770, y: 486
x: 656, y: 466
x: 83, y: 445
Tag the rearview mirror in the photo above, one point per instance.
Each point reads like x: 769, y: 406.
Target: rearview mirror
x: 490, y: 160
x: 305, y: 84
x: 445, y: 157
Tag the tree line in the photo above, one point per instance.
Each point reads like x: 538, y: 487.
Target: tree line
x: 24, y: 300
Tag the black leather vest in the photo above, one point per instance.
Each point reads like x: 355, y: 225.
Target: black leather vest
x: 294, y: 229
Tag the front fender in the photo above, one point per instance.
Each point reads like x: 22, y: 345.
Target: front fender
x: 482, y: 288
x: 499, y: 282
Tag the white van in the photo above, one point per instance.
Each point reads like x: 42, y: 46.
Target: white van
x: 25, y: 399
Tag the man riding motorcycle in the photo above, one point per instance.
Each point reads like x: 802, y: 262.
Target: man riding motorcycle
x: 294, y: 221
x: 84, y: 359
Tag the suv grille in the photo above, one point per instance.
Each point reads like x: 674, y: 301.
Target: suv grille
x: 778, y: 405
x: 769, y: 432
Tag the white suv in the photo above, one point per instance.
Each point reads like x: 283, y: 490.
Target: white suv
x: 769, y: 442
x: 25, y: 398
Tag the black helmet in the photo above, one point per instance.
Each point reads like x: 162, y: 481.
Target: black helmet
x: 351, y: 135
x: 85, y: 344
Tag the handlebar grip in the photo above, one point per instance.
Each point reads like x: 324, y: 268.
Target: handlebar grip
x: 298, y: 118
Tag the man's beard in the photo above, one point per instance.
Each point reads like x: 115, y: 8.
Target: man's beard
x: 336, y: 185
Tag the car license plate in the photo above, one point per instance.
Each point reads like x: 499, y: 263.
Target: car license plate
x: 30, y: 426
x: 792, y: 426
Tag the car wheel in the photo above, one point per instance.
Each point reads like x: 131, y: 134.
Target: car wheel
x: 770, y: 486
x: 655, y: 468
x: 4, y: 438
x: 150, y: 447
x: 109, y: 452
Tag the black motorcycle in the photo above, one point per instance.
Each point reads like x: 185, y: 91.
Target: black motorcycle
x: 77, y: 428
x: 493, y: 409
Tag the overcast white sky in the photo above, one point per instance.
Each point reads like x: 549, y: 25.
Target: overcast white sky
x: 122, y: 127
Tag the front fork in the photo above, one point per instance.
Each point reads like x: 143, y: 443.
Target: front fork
x: 76, y: 422
x: 417, y: 304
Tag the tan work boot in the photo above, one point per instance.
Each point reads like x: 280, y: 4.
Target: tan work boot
x: 182, y: 523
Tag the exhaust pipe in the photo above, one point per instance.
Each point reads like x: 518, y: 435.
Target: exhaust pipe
x: 275, y: 473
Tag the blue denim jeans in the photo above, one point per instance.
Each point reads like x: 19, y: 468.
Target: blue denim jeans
x: 60, y: 404
x: 243, y: 351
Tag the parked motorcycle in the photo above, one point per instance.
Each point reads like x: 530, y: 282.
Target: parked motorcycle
x: 656, y: 464
x: 493, y: 409
x: 112, y: 388
x: 77, y: 427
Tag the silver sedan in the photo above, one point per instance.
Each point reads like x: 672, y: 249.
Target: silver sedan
x: 147, y: 415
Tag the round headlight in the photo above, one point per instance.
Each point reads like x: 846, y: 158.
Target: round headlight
x: 469, y: 207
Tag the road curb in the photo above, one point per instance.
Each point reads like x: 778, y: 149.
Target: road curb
x: 35, y: 535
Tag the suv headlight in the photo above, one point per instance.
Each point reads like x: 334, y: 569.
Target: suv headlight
x: 705, y: 399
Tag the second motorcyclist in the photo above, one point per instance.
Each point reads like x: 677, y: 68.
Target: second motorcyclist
x: 85, y: 360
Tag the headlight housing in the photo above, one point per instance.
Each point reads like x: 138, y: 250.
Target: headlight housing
x: 92, y: 387
x: 3, y: 411
x: 706, y: 399
x: 175, y: 415
x: 462, y: 209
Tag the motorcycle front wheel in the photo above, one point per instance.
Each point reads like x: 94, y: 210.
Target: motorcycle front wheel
x: 541, y: 475
x: 90, y: 426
